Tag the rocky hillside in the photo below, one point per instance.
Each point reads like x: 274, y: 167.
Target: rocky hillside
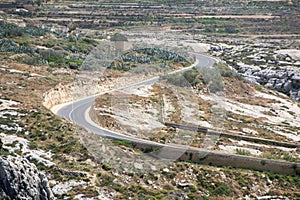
x: 273, y: 64
x: 250, y: 110
x: 74, y: 162
x: 44, y: 45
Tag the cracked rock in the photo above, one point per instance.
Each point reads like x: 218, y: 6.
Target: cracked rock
x: 21, y: 179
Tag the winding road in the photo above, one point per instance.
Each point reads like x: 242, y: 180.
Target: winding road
x: 78, y: 111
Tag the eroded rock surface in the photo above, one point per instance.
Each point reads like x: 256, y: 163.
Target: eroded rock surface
x: 20, y: 179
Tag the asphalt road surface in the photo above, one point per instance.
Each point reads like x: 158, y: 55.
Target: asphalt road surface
x: 77, y: 111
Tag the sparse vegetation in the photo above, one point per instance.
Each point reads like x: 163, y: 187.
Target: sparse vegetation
x: 176, y: 79
x: 118, y: 37
x: 123, y: 143
x: 7, y: 45
x: 39, y: 46
x: 242, y: 152
x: 221, y: 189
x: 213, y: 79
x: 129, y: 60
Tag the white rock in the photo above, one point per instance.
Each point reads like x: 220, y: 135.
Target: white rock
x: 138, y: 166
x: 250, y: 131
x: 166, y: 170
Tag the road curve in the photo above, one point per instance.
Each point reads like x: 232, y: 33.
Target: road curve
x: 77, y: 111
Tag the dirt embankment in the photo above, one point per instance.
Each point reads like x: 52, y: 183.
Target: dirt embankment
x: 87, y: 84
x: 66, y: 93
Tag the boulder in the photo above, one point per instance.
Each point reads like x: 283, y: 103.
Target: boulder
x: 288, y: 85
x: 279, y: 84
x: 270, y: 83
x: 296, y: 77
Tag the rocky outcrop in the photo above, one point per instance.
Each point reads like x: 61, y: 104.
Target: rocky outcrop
x: 284, y: 79
x: 20, y: 179
x: 259, y: 63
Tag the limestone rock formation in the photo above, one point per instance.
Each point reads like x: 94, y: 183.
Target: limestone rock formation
x: 20, y: 179
x: 285, y: 79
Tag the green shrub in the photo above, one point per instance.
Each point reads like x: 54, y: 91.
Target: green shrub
x: 258, y: 88
x: 146, y: 55
x: 106, y: 167
x: 7, y: 45
x: 118, y: 37
x: 168, y: 186
x: 212, y: 78
x: 192, y: 76
x: 176, y: 79
x: 33, y: 145
x: 11, y: 30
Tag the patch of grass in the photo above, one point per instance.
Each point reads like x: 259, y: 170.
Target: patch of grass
x: 242, y: 152
x: 154, y: 99
x: 123, y: 143
x: 279, y: 156
x: 288, y: 157
x: 258, y: 88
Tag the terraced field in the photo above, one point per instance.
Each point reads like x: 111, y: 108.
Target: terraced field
x: 193, y: 16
